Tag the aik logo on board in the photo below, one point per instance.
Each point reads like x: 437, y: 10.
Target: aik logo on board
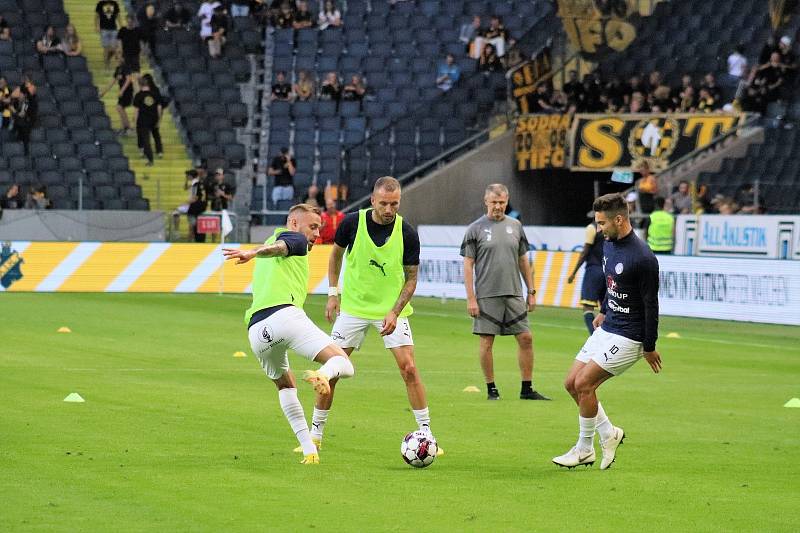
x: 10, y: 265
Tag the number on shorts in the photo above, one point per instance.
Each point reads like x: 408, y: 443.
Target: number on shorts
x: 614, y: 349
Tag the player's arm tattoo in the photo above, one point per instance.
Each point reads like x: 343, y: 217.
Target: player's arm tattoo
x: 410, y: 272
x: 276, y: 249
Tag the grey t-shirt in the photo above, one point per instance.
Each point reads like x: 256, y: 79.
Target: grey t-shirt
x: 496, y: 248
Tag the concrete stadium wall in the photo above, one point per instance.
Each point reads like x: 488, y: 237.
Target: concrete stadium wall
x: 57, y: 225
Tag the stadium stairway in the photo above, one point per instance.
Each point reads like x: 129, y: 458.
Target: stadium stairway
x: 162, y: 183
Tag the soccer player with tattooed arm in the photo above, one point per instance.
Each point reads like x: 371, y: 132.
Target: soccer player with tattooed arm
x: 381, y: 252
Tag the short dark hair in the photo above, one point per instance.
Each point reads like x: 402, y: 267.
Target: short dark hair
x: 613, y: 204
x: 659, y: 202
x: 387, y: 183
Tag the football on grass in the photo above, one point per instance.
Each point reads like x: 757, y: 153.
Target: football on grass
x: 418, y: 449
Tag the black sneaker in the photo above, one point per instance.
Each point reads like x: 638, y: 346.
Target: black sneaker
x: 532, y: 395
x: 494, y: 394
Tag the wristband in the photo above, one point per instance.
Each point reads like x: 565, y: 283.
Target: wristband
x: 532, y: 292
x: 333, y: 291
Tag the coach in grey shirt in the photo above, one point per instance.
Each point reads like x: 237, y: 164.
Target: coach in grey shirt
x: 495, y: 250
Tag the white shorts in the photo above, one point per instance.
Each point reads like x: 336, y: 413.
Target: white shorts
x: 349, y: 332
x: 288, y: 328
x: 613, y: 353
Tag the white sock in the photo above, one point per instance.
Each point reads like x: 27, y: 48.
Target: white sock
x: 604, y: 427
x: 338, y: 366
x: 586, y: 435
x: 423, y: 418
x: 297, y: 419
x: 318, y: 423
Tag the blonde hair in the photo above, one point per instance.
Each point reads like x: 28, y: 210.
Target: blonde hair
x: 306, y: 208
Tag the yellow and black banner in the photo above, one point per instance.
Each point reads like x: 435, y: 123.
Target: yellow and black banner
x: 525, y: 79
x: 597, y: 27
x: 621, y: 142
x: 542, y: 141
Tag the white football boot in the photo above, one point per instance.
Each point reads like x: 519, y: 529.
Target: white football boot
x: 575, y: 457
x: 610, y: 448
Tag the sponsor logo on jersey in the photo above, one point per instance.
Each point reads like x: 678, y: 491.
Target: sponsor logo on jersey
x: 618, y: 268
x: 377, y: 265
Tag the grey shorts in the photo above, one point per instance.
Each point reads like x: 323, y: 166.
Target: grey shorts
x: 501, y: 315
x: 108, y: 38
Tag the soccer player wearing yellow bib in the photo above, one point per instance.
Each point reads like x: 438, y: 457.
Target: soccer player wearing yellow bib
x: 382, y: 256
x: 276, y: 320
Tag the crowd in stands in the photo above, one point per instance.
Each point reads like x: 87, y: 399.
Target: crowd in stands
x: 36, y: 198
x: 744, y: 87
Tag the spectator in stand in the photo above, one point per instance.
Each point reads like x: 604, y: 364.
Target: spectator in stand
x: 260, y: 12
x: 5, y: 33
x: 688, y: 100
x: 490, y: 61
x: 219, y: 29
x: 149, y: 26
x: 355, y: 90
x: 25, y: 110
x: 284, y: 18
x: 638, y: 103
x: 660, y: 100
x: 591, y: 95
x: 746, y: 198
x: 12, y: 199
x: 221, y: 192
x: 682, y: 199
x: 240, y: 8
x: 283, y: 168
x: 331, y: 89
x: 314, y: 196
x: 448, y: 73
x: 304, y: 89
x: 105, y: 22
x: 514, y: 56
x: 37, y: 198
x: 615, y: 92
x: 724, y: 205
x: 710, y: 84
x: 123, y: 77
x: 769, y: 80
x: 647, y: 188
x: 281, y: 89
x: 497, y: 35
x: 468, y: 33
x: 737, y: 66
x: 788, y: 59
x: 147, y: 114
x: 770, y: 46
x: 205, y: 12
x: 331, y: 219
x: 71, y: 44
x: 329, y: 16
x: 130, y: 38
x: 573, y: 87
x: 706, y: 102
x: 303, y: 18
x: 5, y: 104
x: 177, y: 17
x: 539, y: 102
x: 49, y: 43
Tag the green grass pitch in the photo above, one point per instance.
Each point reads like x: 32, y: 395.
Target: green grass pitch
x: 178, y: 435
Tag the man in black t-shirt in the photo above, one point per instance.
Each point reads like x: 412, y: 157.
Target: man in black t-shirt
x: 177, y: 17
x: 122, y: 77
x: 281, y: 90
x: 302, y: 17
x: 148, y: 114
x: 283, y: 169
x: 130, y: 38
x: 221, y: 193
x: 105, y: 22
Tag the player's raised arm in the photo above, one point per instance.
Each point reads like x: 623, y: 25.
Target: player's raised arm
x: 277, y: 249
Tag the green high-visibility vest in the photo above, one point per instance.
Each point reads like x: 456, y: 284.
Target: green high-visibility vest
x: 278, y: 280
x: 659, y: 233
x: 373, y: 276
